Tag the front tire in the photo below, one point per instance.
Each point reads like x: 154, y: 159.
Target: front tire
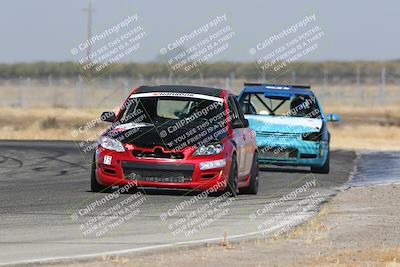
x: 324, y: 169
x: 95, y: 186
x: 232, y: 184
x: 254, y: 178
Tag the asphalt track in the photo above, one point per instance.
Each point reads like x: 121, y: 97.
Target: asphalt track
x: 43, y: 184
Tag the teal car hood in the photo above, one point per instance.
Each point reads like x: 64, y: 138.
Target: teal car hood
x: 283, y: 124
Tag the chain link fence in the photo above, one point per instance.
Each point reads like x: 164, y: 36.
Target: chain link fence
x: 25, y: 92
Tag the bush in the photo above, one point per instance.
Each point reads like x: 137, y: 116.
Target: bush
x: 49, y: 123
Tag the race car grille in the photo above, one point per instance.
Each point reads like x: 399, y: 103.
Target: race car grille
x: 278, y: 135
x: 159, y: 173
x: 158, y: 177
x: 157, y: 154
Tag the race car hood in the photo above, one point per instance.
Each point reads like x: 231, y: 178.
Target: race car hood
x: 164, y: 134
x: 283, y: 124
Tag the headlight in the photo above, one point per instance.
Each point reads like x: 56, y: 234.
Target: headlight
x: 312, y: 136
x: 209, y: 150
x: 111, y: 144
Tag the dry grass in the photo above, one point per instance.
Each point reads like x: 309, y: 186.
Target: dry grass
x: 65, y: 113
x: 365, y: 112
x: 389, y: 257
x: 47, y: 124
x: 361, y: 128
x: 376, y: 128
x: 372, y: 137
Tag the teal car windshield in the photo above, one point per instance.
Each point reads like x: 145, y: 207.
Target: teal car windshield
x: 293, y: 106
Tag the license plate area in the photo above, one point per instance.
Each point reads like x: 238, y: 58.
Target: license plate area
x: 279, y: 153
x: 272, y: 154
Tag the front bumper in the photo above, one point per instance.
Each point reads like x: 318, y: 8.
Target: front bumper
x: 121, y: 168
x: 293, y: 152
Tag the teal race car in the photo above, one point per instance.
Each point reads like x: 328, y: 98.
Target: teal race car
x: 290, y: 125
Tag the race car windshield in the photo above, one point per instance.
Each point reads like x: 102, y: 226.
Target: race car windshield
x: 160, y: 109
x: 173, y: 122
x: 294, y: 106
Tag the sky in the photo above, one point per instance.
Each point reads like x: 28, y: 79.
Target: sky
x: 47, y: 30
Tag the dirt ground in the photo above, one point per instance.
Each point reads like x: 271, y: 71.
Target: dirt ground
x: 359, y: 227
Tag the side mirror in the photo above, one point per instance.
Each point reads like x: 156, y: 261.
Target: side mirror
x: 237, y: 123
x: 333, y: 117
x: 108, y: 116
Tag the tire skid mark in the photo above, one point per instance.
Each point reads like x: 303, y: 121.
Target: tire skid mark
x: 3, y: 160
x: 67, y: 162
x: 6, y: 159
x: 41, y: 163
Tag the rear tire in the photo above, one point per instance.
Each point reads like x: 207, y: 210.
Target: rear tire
x: 232, y: 185
x: 324, y: 169
x: 254, y: 178
x: 94, y: 185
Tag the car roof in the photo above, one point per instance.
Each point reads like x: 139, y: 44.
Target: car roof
x: 181, y: 89
x: 278, y: 88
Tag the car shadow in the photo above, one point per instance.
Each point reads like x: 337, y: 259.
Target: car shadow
x: 156, y: 191
x: 161, y: 191
x: 283, y: 169
x: 170, y: 192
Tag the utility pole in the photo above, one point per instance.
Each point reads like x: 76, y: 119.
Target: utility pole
x: 293, y: 77
x: 358, y: 81
x: 382, y: 89
x: 89, y: 11
x: 358, y: 77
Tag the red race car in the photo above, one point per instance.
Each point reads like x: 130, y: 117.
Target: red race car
x: 183, y: 137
